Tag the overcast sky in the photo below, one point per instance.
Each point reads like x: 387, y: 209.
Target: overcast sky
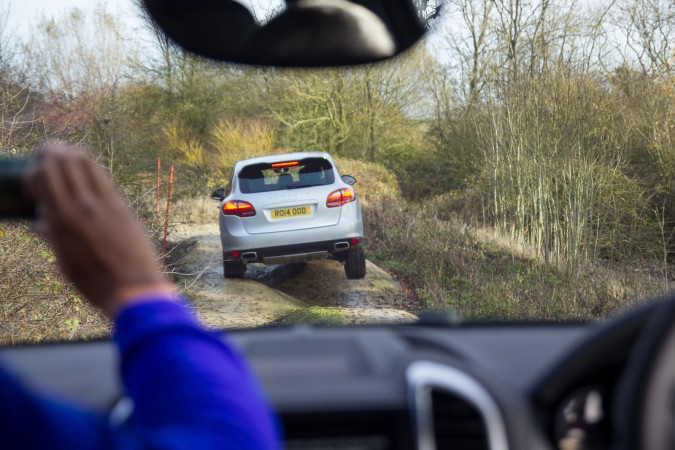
x: 24, y: 14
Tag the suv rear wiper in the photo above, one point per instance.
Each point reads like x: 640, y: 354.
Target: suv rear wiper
x: 298, y: 186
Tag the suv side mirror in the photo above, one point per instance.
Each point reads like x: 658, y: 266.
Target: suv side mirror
x: 349, y: 179
x: 218, y: 194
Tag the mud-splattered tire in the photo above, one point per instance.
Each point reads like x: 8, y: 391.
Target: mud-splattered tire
x: 355, y: 264
x: 233, y: 269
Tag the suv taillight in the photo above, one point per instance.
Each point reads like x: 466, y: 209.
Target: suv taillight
x: 340, y: 197
x: 238, y: 208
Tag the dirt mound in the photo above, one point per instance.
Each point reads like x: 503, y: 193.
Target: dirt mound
x: 323, y: 283
x: 269, y: 293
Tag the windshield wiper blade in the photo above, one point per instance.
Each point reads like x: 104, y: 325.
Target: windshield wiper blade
x: 295, y: 186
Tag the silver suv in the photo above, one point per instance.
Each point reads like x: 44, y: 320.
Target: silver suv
x: 290, y: 208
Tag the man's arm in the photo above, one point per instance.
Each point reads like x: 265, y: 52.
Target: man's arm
x: 29, y: 421
x: 190, y: 389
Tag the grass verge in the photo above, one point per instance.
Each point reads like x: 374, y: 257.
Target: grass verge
x: 454, y: 267
x: 314, y: 315
x: 37, y: 303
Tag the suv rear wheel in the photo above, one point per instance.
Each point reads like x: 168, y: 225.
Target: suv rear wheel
x: 233, y: 269
x: 355, y: 264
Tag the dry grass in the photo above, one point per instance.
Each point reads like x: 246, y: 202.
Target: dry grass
x: 375, y: 184
x: 481, y: 274
x: 502, y: 242
x: 36, y: 302
x: 199, y: 210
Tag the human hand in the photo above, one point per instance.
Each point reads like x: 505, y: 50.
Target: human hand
x: 98, y: 243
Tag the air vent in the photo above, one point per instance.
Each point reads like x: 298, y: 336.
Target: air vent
x: 456, y: 424
x: 451, y: 410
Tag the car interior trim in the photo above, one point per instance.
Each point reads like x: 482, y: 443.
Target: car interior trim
x: 422, y: 376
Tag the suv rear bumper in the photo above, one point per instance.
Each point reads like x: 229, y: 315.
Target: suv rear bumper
x: 234, y: 236
x: 333, y: 249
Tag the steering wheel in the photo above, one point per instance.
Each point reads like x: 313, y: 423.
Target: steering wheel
x: 645, y: 404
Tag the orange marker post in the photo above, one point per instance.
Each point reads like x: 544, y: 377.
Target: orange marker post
x: 159, y: 186
x: 166, y: 217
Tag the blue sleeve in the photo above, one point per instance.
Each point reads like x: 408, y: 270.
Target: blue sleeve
x: 29, y: 422
x: 190, y: 389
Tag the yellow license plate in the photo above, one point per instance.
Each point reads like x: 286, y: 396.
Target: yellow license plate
x: 291, y: 211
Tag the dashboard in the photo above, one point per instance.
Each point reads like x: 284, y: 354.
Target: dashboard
x: 492, y: 386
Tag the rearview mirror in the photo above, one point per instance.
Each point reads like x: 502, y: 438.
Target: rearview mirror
x: 309, y: 33
x: 218, y: 194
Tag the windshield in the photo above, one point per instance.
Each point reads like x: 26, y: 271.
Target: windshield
x: 518, y: 164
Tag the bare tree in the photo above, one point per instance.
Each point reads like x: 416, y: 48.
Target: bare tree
x: 168, y: 51
x: 428, y: 10
x: 472, y: 43
x: 648, y: 28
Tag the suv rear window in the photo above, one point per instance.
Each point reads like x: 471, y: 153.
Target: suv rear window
x: 266, y: 177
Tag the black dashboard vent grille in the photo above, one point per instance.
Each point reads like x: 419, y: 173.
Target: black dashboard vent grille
x: 457, y: 424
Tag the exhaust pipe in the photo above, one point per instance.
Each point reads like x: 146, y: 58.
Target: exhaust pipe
x: 249, y: 256
x: 341, y: 245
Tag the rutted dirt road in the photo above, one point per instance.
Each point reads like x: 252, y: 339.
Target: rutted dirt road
x: 268, y: 293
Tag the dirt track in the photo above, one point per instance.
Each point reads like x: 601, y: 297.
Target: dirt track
x: 270, y: 292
